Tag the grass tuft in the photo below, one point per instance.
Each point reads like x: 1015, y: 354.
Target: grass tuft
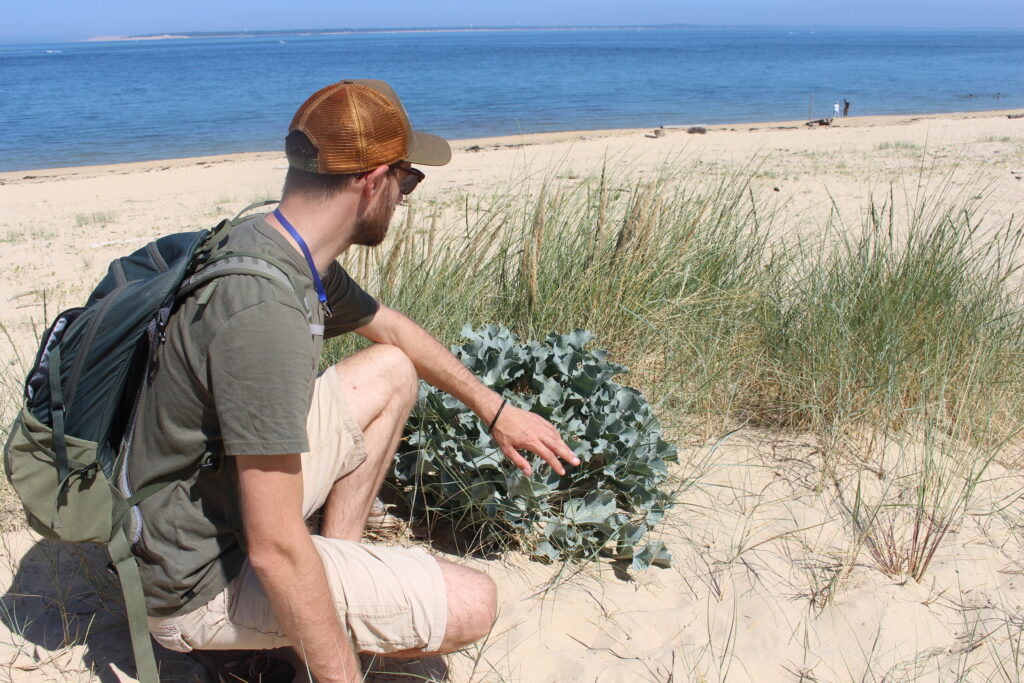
x: 909, y: 325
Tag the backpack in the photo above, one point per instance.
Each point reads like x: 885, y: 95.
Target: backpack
x: 67, y: 450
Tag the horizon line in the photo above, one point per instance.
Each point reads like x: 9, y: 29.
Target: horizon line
x: 244, y: 32
x: 226, y: 33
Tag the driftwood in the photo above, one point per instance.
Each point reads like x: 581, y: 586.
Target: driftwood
x: 700, y: 130
x: 1015, y: 116
x: 819, y: 122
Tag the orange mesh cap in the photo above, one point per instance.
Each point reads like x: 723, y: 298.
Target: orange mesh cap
x: 357, y: 126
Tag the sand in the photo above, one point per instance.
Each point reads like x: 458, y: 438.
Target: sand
x: 768, y: 582
x: 60, y: 227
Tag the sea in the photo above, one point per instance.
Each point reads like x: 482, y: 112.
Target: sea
x: 70, y: 104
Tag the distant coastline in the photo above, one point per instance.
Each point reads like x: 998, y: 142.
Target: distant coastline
x: 352, y: 31
x: 281, y: 33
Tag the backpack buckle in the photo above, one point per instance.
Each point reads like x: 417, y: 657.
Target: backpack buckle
x: 210, y: 461
x: 87, y: 472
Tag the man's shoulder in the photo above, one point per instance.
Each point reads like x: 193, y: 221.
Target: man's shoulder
x: 239, y: 293
x: 233, y: 293
x: 256, y: 236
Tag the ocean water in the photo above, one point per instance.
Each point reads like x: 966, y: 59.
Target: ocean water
x: 103, y: 102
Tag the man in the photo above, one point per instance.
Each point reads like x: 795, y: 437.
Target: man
x: 237, y: 377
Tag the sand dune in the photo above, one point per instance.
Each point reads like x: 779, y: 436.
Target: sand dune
x: 768, y: 582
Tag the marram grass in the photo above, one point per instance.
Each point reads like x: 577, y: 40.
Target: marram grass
x: 894, y: 321
x: 908, y: 326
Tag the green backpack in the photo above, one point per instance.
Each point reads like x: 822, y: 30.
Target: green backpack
x: 67, y: 450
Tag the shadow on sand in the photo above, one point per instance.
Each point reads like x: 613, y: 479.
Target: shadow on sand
x: 62, y: 597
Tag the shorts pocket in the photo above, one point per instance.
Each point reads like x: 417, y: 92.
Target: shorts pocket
x: 249, y: 607
x: 185, y: 632
x: 383, y: 630
x: 169, y: 636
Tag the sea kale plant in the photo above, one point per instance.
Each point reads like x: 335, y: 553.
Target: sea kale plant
x: 448, y: 466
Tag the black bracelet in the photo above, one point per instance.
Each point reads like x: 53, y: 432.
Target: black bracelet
x: 490, y: 427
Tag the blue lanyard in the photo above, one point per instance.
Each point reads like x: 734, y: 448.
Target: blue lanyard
x: 321, y: 294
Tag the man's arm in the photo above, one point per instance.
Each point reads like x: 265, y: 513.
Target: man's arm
x: 282, y: 553
x: 515, y: 429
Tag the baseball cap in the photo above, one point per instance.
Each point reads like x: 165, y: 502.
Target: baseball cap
x: 358, y: 125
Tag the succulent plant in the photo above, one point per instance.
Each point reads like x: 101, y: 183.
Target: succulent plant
x: 448, y: 464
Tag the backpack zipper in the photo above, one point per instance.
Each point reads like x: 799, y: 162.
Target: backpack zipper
x: 155, y: 334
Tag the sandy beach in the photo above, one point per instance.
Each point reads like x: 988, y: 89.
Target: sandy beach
x: 756, y: 544
x: 61, y: 227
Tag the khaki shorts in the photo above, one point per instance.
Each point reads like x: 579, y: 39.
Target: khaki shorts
x: 388, y: 599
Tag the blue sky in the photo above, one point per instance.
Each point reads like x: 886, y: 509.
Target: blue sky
x: 78, y: 19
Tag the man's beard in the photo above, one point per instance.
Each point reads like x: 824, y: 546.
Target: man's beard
x: 371, y: 229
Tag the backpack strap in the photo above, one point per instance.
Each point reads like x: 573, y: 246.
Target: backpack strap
x: 60, y: 447
x: 245, y: 263
x: 233, y: 263
x: 225, y: 227
x: 255, y: 205
x: 209, y: 459
x: 135, y: 606
x: 218, y: 233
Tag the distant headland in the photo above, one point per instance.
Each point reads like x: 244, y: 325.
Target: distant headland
x: 282, y: 33
x: 343, y: 31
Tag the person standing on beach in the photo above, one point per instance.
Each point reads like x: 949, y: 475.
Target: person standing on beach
x: 846, y: 107
x: 226, y: 557
x: 835, y: 109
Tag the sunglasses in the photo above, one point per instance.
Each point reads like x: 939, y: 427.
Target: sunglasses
x: 407, y: 183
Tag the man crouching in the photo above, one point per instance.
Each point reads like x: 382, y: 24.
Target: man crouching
x: 225, y: 555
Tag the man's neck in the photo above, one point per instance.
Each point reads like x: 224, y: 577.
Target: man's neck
x: 321, y: 227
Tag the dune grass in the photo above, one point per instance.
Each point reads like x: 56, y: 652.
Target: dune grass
x: 659, y: 272
x: 905, y: 328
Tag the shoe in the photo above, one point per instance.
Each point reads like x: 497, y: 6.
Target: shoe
x: 380, y: 520
x: 244, y: 666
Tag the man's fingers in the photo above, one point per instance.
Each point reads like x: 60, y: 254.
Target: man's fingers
x: 531, y: 432
x: 545, y: 454
x: 548, y: 456
x: 517, y: 459
x: 552, y: 440
x: 564, y: 452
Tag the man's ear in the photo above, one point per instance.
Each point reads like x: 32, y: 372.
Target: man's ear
x: 373, y: 181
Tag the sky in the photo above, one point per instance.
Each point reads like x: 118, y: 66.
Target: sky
x: 46, y: 20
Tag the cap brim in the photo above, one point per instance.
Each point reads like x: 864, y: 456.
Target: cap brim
x: 428, y: 150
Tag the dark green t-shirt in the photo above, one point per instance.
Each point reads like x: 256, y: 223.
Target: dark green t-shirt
x: 235, y: 376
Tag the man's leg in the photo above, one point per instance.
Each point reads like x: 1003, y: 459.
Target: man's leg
x: 379, y: 386
x: 472, y: 608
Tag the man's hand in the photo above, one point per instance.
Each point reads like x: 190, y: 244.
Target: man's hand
x: 515, y: 428
x: 520, y: 429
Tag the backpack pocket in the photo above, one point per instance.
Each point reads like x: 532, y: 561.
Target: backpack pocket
x: 76, y: 509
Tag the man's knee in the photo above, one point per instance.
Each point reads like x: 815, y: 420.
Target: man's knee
x: 387, y: 365
x: 379, y: 379
x: 472, y: 605
x: 398, y: 369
